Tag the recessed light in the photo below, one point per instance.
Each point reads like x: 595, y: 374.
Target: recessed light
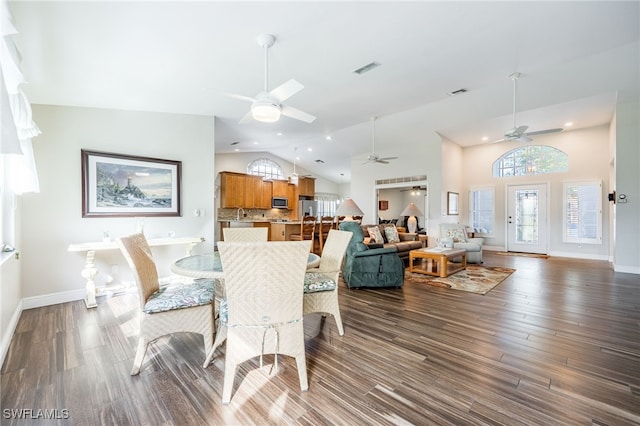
x: 279, y: 134
x: 309, y: 149
x: 568, y: 123
x: 256, y: 143
x: 328, y: 137
x: 237, y: 149
x: 485, y: 138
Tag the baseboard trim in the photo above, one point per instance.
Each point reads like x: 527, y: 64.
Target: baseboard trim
x: 627, y: 269
x: 574, y: 255
x: 53, y: 299
x: 9, y: 332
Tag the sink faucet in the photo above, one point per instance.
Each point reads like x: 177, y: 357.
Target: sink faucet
x: 238, y: 213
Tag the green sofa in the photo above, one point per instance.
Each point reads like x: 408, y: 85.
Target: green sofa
x: 370, y: 267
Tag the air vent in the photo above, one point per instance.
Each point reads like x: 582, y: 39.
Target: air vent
x: 319, y: 161
x: 235, y: 143
x: 367, y: 68
x: 457, y: 92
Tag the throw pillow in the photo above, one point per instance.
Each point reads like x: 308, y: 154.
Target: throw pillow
x: 392, y: 234
x: 457, y: 234
x: 374, y: 232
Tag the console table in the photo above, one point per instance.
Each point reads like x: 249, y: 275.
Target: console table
x: 90, y: 271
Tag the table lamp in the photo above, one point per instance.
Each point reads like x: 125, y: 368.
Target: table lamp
x: 348, y: 208
x: 412, y: 211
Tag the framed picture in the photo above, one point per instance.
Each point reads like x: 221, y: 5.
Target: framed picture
x: 452, y: 203
x: 117, y: 185
x: 383, y: 205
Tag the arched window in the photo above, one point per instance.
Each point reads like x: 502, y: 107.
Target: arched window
x: 266, y: 168
x: 531, y: 160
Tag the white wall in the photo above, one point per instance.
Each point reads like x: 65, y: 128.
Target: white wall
x: 627, y: 165
x: 588, y: 151
x: 52, y: 219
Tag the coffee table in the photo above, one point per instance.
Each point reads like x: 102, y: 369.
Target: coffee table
x: 440, y: 261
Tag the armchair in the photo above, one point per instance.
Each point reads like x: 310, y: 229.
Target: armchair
x: 458, y: 233
x: 365, y: 267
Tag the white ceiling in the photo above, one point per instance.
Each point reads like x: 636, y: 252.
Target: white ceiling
x: 179, y: 57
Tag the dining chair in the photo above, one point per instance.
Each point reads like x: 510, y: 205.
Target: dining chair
x: 323, y: 228
x: 174, y: 308
x: 262, y: 312
x: 245, y: 234
x: 321, y: 283
x: 307, y: 229
x: 338, y: 219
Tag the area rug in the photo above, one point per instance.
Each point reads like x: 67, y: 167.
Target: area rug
x: 475, y: 279
x: 515, y: 253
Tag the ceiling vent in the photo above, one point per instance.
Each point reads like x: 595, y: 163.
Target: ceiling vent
x: 367, y: 68
x: 319, y: 161
x: 457, y: 92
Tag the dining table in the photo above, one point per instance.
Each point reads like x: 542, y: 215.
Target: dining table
x: 210, y: 266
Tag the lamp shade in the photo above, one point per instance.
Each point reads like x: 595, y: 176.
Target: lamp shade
x: 348, y: 208
x: 411, y: 210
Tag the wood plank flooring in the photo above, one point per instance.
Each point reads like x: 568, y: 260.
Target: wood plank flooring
x: 557, y: 343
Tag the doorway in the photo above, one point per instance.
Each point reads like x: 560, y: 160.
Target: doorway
x: 527, y: 224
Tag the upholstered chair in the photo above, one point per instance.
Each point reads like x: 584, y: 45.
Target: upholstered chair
x: 458, y: 233
x: 321, y: 283
x: 262, y: 312
x: 171, y: 309
x: 370, y: 267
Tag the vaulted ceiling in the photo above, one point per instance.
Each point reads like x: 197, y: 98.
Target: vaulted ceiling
x: 576, y: 60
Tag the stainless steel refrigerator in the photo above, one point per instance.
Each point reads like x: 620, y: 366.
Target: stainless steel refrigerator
x: 307, y: 208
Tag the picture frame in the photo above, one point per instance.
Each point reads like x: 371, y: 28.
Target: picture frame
x: 383, y: 205
x: 120, y: 185
x: 452, y: 203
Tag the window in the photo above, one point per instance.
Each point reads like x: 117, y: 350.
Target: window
x: 582, y: 213
x: 531, y: 160
x: 481, y: 210
x: 266, y: 168
x: 327, y: 203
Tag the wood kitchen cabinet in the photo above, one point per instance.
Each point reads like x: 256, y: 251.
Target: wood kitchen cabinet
x: 281, y: 188
x: 266, y: 194
x: 306, y: 186
x: 241, y: 190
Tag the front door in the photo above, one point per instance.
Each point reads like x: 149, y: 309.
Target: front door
x: 527, y: 218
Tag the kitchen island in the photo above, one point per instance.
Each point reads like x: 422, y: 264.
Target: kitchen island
x: 278, y: 230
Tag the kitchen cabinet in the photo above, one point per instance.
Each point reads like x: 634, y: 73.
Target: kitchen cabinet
x: 266, y: 194
x: 306, y: 186
x: 281, y: 188
x: 241, y: 190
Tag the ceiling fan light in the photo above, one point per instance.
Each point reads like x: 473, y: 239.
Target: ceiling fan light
x: 265, y: 112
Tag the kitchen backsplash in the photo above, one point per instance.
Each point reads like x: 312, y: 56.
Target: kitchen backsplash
x: 255, y: 214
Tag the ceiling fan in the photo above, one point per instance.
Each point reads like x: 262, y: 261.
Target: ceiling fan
x: 267, y: 105
x: 520, y: 133
x: 373, y: 157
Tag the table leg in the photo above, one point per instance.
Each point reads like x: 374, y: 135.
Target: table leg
x: 442, y: 266
x: 89, y: 273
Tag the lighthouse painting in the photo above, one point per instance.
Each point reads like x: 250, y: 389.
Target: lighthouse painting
x: 124, y: 185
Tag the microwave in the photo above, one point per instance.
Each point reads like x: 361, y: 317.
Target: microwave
x: 280, y: 203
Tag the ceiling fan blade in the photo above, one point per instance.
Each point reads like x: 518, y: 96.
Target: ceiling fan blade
x: 521, y: 129
x: 499, y: 140
x: 286, y: 90
x: 297, y: 114
x: 542, y: 132
x: 388, y: 158
x: 523, y: 138
x: 248, y: 117
x: 241, y: 97
x: 382, y: 161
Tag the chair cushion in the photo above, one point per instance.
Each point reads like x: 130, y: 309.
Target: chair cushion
x: 180, y: 296
x: 392, y: 234
x: 374, y: 232
x: 317, y: 281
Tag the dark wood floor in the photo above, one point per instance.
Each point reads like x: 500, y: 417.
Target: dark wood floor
x: 558, y: 342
